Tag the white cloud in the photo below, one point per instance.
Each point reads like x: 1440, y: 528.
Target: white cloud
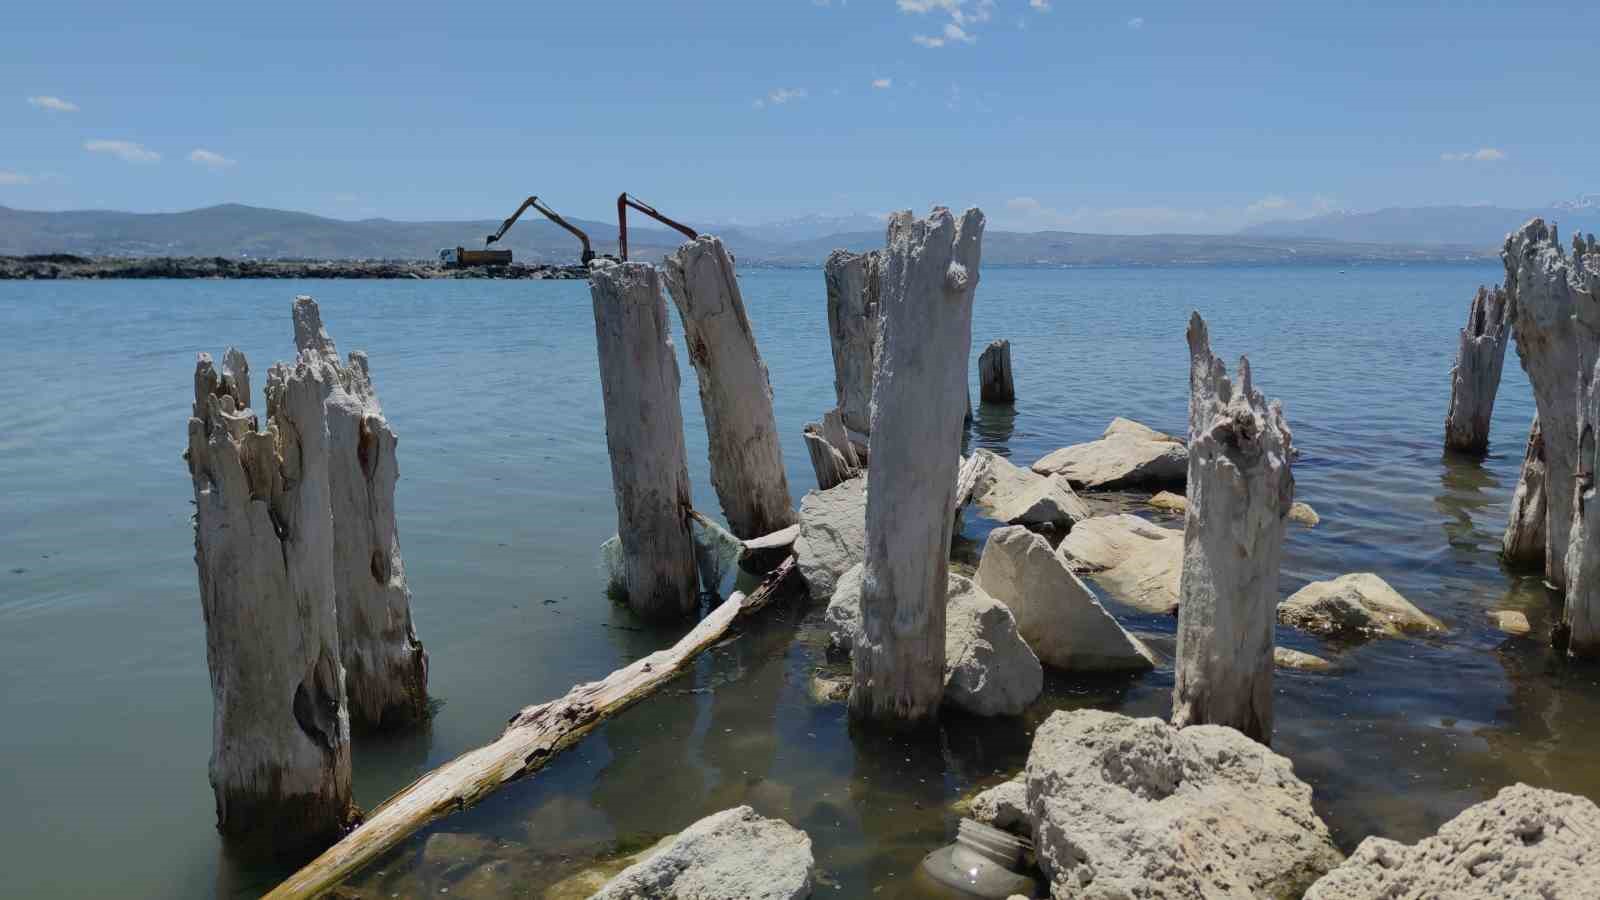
x: 127, y: 151
x: 883, y: 83
x: 210, y: 160
x: 1136, y: 22
x: 1482, y: 154
x: 962, y: 18
x: 923, y: 40
x: 780, y: 97
x: 52, y: 103
x: 1040, y: 5
x: 10, y: 178
x: 1270, y: 202
x: 954, y: 32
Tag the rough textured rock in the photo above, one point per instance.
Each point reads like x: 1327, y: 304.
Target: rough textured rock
x: 644, y: 434
x: 1553, y: 316
x: 1137, y: 808
x: 1061, y: 620
x: 385, y: 667
x: 1018, y: 496
x: 1526, y: 842
x: 853, y: 331
x: 735, y: 392
x: 1523, y: 543
x: 1354, y: 607
x: 1127, y: 455
x: 1510, y: 621
x: 1169, y: 501
x: 1303, y: 514
x: 1284, y: 658
x: 989, y: 670
x: 1475, y: 379
x: 994, y: 373
x: 280, y: 758
x: 833, y: 535
x: 1005, y: 806
x: 1138, y: 563
x: 733, y: 853
x: 1240, y: 488
x: 930, y: 273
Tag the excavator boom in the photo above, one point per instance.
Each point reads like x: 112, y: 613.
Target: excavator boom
x: 588, y: 254
x: 623, y: 202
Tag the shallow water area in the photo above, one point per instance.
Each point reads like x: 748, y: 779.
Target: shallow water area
x: 505, y: 497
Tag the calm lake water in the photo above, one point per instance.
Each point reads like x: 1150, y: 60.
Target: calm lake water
x: 505, y: 496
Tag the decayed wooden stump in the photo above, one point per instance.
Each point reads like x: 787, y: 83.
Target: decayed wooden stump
x: 1552, y: 310
x: 1475, y: 379
x: 1523, y: 543
x: 280, y: 758
x: 830, y: 465
x: 1240, y: 489
x: 1581, y: 624
x: 644, y: 434
x: 735, y: 392
x: 385, y: 667
x: 994, y: 374
x: 853, y: 331
x: 930, y: 272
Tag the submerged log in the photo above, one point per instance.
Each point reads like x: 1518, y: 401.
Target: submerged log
x: 280, y: 757
x: 994, y: 374
x: 534, y: 737
x: 1240, y: 489
x: 854, y: 328
x: 644, y: 434
x: 385, y: 666
x: 1552, y: 305
x: 1523, y: 543
x: 735, y: 392
x: 930, y: 272
x: 1475, y: 379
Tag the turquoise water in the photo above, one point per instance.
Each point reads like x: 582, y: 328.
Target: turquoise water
x: 505, y: 495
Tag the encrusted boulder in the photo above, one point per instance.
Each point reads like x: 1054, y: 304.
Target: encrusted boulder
x: 733, y: 853
x: 1137, y: 562
x: 833, y: 535
x: 1007, y: 493
x: 1354, y: 607
x: 1285, y: 658
x: 1526, y: 842
x: 1125, y: 808
x: 1128, y: 454
x: 1056, y: 614
x: 1005, y: 806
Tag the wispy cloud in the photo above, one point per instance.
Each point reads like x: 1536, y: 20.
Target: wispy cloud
x: 883, y: 83
x: 52, y: 103
x: 1040, y: 5
x: 1270, y: 203
x: 1482, y: 154
x: 1136, y: 22
x: 780, y: 97
x: 962, y: 17
x: 923, y: 40
x: 210, y: 160
x: 127, y: 151
x: 11, y: 178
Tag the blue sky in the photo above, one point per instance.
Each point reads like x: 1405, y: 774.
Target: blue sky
x: 1123, y: 117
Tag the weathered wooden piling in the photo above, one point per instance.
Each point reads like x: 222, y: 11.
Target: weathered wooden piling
x: 1551, y: 310
x: 280, y: 757
x: 853, y: 331
x: 735, y: 392
x: 1580, y: 628
x: 830, y: 466
x: 386, y: 668
x: 644, y: 434
x: 1475, y: 379
x: 1523, y: 543
x: 1240, y: 489
x: 930, y: 272
x: 994, y: 374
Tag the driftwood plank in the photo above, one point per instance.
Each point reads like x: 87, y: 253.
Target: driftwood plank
x: 533, y: 738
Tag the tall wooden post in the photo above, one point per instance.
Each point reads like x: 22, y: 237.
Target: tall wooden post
x: 1523, y: 543
x: 1475, y: 379
x: 1581, y: 621
x: 735, y: 392
x: 644, y: 434
x: 1240, y: 490
x: 853, y: 331
x: 930, y: 273
x: 280, y: 757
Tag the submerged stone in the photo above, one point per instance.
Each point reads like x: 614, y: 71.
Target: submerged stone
x: 1354, y: 607
x: 1137, y: 562
x: 733, y: 853
x: 1128, y: 454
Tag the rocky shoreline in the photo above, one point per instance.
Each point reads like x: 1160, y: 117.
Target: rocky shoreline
x: 55, y: 266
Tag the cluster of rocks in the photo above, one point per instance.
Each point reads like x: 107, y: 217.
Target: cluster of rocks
x: 67, y: 266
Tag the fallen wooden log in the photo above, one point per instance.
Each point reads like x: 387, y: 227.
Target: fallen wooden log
x: 534, y: 737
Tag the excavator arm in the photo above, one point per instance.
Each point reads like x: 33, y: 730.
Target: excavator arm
x: 623, y: 202
x: 588, y: 254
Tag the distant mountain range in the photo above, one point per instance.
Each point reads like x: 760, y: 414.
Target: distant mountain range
x: 232, y: 230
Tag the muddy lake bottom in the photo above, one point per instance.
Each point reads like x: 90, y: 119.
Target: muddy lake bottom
x: 505, y: 496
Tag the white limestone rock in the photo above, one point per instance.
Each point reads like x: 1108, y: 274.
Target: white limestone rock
x: 1137, y: 562
x: 1526, y: 842
x: 1056, y: 614
x: 733, y: 853
x: 843, y: 615
x: 1285, y: 658
x: 1511, y: 621
x: 1355, y: 607
x: 1126, y: 807
x: 1006, y: 493
x: 1128, y: 454
x: 833, y: 535
x: 1004, y: 806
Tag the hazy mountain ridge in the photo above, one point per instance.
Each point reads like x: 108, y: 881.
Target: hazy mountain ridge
x: 233, y: 230
x: 1475, y: 226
